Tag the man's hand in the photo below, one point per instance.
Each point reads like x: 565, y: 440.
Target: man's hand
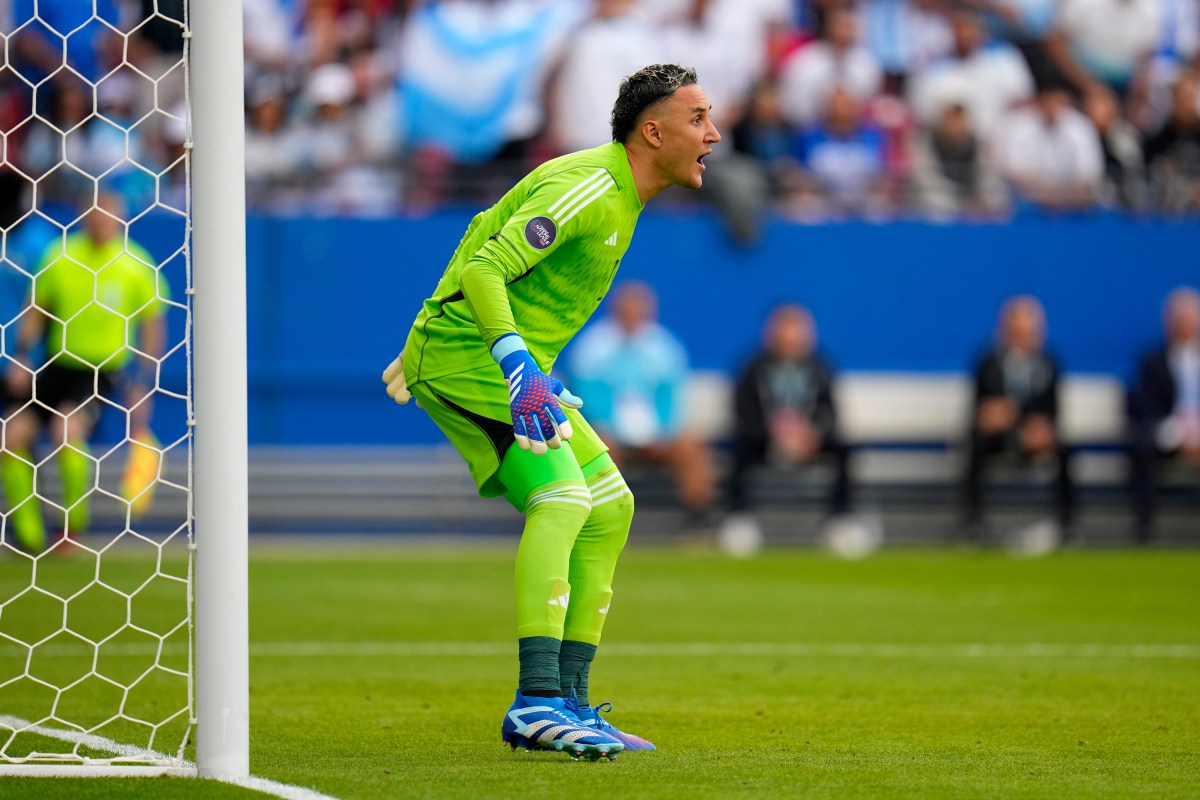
x: 793, y: 436
x: 1037, y: 435
x: 996, y: 415
x: 20, y: 381
x: 535, y: 398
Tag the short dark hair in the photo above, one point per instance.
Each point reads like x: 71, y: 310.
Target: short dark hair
x: 644, y: 88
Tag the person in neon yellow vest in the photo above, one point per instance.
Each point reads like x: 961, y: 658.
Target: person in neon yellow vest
x: 97, y: 311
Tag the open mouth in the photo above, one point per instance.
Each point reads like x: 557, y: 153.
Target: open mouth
x: 700, y: 160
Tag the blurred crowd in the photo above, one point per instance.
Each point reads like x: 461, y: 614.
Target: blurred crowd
x: 633, y: 373
x: 831, y: 108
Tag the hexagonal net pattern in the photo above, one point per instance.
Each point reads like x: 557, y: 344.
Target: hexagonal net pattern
x: 95, y: 463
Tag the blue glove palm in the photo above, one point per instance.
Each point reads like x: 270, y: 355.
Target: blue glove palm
x: 535, y: 398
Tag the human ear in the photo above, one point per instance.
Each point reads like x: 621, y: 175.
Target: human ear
x: 652, y: 133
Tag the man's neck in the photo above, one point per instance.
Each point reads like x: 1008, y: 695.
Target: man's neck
x: 647, y: 179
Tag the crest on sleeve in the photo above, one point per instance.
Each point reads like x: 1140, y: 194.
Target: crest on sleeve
x: 540, y: 232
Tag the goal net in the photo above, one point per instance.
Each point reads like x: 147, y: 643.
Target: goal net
x: 96, y: 533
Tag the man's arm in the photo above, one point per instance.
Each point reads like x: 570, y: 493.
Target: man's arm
x: 29, y: 334
x: 152, y: 338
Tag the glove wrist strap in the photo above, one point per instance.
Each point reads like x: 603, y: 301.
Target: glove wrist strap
x: 506, y: 345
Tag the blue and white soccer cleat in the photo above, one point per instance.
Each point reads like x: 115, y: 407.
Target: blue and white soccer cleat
x: 545, y: 723
x: 589, y: 717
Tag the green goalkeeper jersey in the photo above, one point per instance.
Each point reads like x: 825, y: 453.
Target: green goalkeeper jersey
x: 96, y: 296
x: 550, y: 246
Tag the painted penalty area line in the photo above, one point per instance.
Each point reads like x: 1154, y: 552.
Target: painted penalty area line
x: 104, y: 744
x: 394, y: 649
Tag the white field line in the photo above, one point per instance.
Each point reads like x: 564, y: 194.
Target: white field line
x: 101, y: 743
x: 392, y: 649
x: 89, y: 740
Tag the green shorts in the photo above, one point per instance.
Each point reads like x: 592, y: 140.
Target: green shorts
x: 472, y: 410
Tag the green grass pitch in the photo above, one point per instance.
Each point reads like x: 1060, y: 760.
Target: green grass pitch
x: 382, y: 672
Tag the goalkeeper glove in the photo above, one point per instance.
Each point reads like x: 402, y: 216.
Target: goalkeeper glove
x: 393, y: 376
x: 535, y: 398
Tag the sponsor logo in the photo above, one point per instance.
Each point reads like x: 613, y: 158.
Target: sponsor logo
x: 540, y: 232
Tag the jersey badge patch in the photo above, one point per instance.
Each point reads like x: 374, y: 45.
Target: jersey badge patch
x: 612, y: 240
x: 540, y: 232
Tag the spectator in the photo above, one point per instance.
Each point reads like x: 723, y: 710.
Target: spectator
x: 98, y: 312
x: 1016, y: 408
x: 950, y: 173
x: 994, y: 74
x: 1124, y: 171
x: 835, y: 61
x: 632, y: 373
x: 784, y: 412
x: 612, y: 43
x: 60, y: 131
x: 275, y: 146
x: 1178, y: 46
x: 764, y: 135
x: 844, y: 162
x: 1105, y: 42
x: 1173, y: 153
x: 337, y: 156
x: 91, y: 49
x: 1164, y: 406
x: 1050, y: 154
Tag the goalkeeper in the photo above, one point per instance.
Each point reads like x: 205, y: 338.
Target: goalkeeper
x: 526, y: 276
x: 95, y: 297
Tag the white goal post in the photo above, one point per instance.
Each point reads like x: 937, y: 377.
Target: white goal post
x: 88, y: 653
x: 222, y: 658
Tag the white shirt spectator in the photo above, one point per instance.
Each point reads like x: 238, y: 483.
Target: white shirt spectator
x: 811, y: 74
x: 1068, y: 152
x: 727, y: 65
x: 995, y: 78
x: 602, y: 52
x: 1109, y: 38
x: 1178, y: 43
x: 270, y: 27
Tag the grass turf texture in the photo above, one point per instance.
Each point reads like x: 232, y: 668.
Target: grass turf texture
x: 821, y: 708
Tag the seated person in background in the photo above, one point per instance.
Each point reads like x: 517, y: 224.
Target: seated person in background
x: 837, y: 60
x: 632, y: 373
x: 1124, y: 183
x: 843, y: 159
x: 1050, y: 153
x: 987, y: 77
x: 1105, y: 42
x: 783, y: 408
x: 1164, y: 405
x: 1173, y: 153
x: 950, y: 173
x: 1016, y: 407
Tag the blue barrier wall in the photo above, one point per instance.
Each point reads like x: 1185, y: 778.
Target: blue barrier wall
x: 331, y: 300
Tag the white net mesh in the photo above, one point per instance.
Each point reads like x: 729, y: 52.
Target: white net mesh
x: 95, y: 532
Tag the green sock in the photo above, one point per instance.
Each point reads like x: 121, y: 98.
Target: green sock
x: 539, y: 666
x: 25, y: 518
x: 76, y: 467
x: 574, y: 663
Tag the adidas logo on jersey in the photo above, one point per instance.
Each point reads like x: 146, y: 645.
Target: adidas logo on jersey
x: 612, y: 240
